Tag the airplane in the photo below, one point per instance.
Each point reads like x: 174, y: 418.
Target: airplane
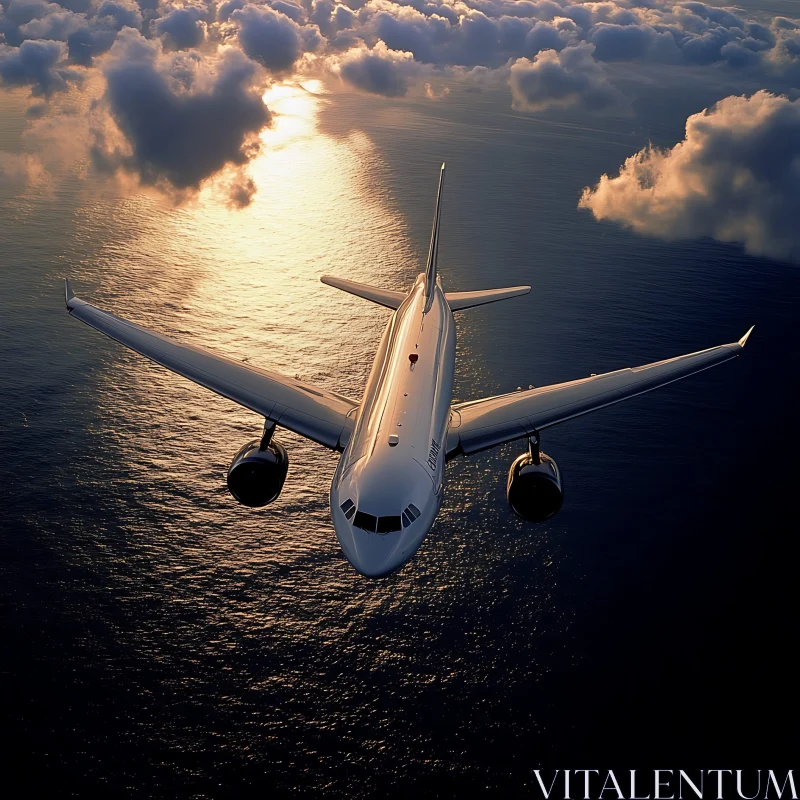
x: 388, y: 485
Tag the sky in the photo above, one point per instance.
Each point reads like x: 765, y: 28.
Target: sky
x: 168, y: 97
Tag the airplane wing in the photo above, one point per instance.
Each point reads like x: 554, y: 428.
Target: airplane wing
x: 481, y: 424
x: 317, y: 414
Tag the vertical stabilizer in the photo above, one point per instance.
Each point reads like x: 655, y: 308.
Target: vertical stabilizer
x: 433, y: 252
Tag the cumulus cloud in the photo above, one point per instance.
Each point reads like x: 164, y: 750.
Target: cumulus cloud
x: 85, y: 44
x: 121, y: 13
x: 378, y: 71
x: 735, y: 177
x: 569, y: 78
x: 89, y: 29
x: 174, y: 121
x: 36, y: 64
x: 555, y: 54
x: 467, y: 35
x: 272, y: 38
x: 57, y: 25
x: 182, y: 28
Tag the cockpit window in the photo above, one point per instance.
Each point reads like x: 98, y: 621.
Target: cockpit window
x: 388, y: 524
x: 349, y: 508
x: 412, y: 511
x: 366, y: 522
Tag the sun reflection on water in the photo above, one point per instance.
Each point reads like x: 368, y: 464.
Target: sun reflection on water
x: 246, y: 283
x: 250, y: 627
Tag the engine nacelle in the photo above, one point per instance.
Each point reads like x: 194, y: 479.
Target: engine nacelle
x: 256, y: 476
x: 535, y: 492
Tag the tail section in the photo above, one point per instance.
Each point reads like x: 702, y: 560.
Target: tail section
x: 433, y: 251
x: 383, y: 297
x: 460, y: 300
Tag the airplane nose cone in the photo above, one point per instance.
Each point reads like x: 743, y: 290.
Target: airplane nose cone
x: 382, y: 515
x: 376, y: 555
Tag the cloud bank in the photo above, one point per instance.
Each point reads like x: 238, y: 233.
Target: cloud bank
x: 491, y: 34
x: 734, y: 178
x: 173, y: 68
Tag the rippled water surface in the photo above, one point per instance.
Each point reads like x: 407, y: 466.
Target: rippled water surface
x: 162, y: 641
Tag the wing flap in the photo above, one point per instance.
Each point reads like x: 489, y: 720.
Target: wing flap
x: 486, y: 423
x: 317, y: 414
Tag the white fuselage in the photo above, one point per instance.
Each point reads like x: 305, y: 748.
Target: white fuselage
x: 387, y: 488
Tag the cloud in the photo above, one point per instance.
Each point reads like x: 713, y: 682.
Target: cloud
x: 241, y: 191
x: 272, y: 38
x: 121, y: 13
x: 79, y: 6
x: 57, y: 25
x: 570, y: 78
x: 87, y: 43
x: 615, y: 42
x: 735, y: 178
x: 547, y: 36
x: 182, y: 28
x: 173, y: 58
x: 378, y: 71
x: 443, y: 34
x: 291, y: 10
x: 87, y: 34
x: 35, y: 64
x: 174, y: 121
x: 224, y: 10
x: 18, y: 172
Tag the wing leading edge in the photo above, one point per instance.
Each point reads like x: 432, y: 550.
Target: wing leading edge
x: 383, y: 297
x: 481, y: 424
x: 317, y: 414
x: 459, y: 301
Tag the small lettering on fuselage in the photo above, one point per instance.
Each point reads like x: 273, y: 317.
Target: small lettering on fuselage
x: 433, y: 454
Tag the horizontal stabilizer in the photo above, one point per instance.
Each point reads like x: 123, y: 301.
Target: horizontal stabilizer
x: 460, y: 300
x: 383, y: 297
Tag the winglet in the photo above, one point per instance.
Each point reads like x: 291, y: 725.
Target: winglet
x: 744, y: 338
x: 68, y: 293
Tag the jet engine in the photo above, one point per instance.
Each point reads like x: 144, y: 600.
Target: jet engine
x: 258, y: 471
x: 535, y: 492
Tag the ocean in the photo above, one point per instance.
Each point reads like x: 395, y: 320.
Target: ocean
x: 161, y: 641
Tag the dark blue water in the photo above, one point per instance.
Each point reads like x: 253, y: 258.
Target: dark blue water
x: 159, y: 641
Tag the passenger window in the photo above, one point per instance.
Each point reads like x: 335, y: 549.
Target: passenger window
x: 366, y: 522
